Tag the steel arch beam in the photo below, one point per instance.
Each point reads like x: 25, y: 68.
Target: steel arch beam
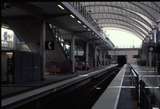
x: 139, y: 35
x: 122, y: 21
x: 144, y: 10
x: 126, y: 15
x: 118, y: 7
x: 119, y: 15
x: 143, y: 4
x: 117, y: 20
x: 125, y: 25
x: 138, y: 9
x: 156, y: 5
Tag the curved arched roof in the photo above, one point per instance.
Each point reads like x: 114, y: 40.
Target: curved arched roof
x: 138, y: 17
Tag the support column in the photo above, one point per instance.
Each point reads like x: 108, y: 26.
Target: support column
x: 95, y: 56
x: 87, y: 53
x: 158, y: 30
x: 42, y: 49
x: 104, y: 59
x: 100, y: 57
x: 73, y: 53
x: 150, y: 59
x: 154, y: 34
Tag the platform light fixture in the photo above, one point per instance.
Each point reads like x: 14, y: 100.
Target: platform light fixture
x: 60, y: 7
x: 72, y: 16
x: 79, y: 21
x: 84, y: 26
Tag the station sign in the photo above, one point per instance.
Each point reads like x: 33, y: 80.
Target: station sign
x: 49, y: 45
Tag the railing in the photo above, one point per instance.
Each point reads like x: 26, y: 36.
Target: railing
x: 142, y: 93
x: 135, y: 81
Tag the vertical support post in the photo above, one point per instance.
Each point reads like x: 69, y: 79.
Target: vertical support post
x: 42, y: 49
x: 87, y: 53
x: 100, y: 57
x: 104, y: 59
x: 95, y: 56
x: 158, y: 44
x: 154, y: 35
x: 158, y: 30
x: 73, y: 53
x: 14, y: 42
x: 150, y: 59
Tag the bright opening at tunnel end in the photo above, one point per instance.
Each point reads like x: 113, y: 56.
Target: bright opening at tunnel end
x: 122, y: 38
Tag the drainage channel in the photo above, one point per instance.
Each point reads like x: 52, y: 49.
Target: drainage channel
x: 78, y: 96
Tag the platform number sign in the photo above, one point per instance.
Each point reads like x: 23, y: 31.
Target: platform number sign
x: 49, y: 45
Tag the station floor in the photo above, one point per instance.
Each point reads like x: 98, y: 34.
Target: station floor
x: 121, y: 93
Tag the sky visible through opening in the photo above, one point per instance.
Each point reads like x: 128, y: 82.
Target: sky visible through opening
x: 122, y: 38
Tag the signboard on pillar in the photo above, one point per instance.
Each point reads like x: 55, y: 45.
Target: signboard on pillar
x: 49, y: 45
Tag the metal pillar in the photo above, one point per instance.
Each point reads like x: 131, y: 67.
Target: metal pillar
x: 73, y: 53
x: 87, y: 53
x: 158, y: 25
x: 95, y: 56
x: 100, y: 57
x: 104, y: 59
x: 150, y: 59
x: 42, y: 49
x: 158, y: 29
x: 154, y: 34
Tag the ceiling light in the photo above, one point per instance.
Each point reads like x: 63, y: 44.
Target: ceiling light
x: 72, y: 16
x: 60, y: 7
x: 79, y: 21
